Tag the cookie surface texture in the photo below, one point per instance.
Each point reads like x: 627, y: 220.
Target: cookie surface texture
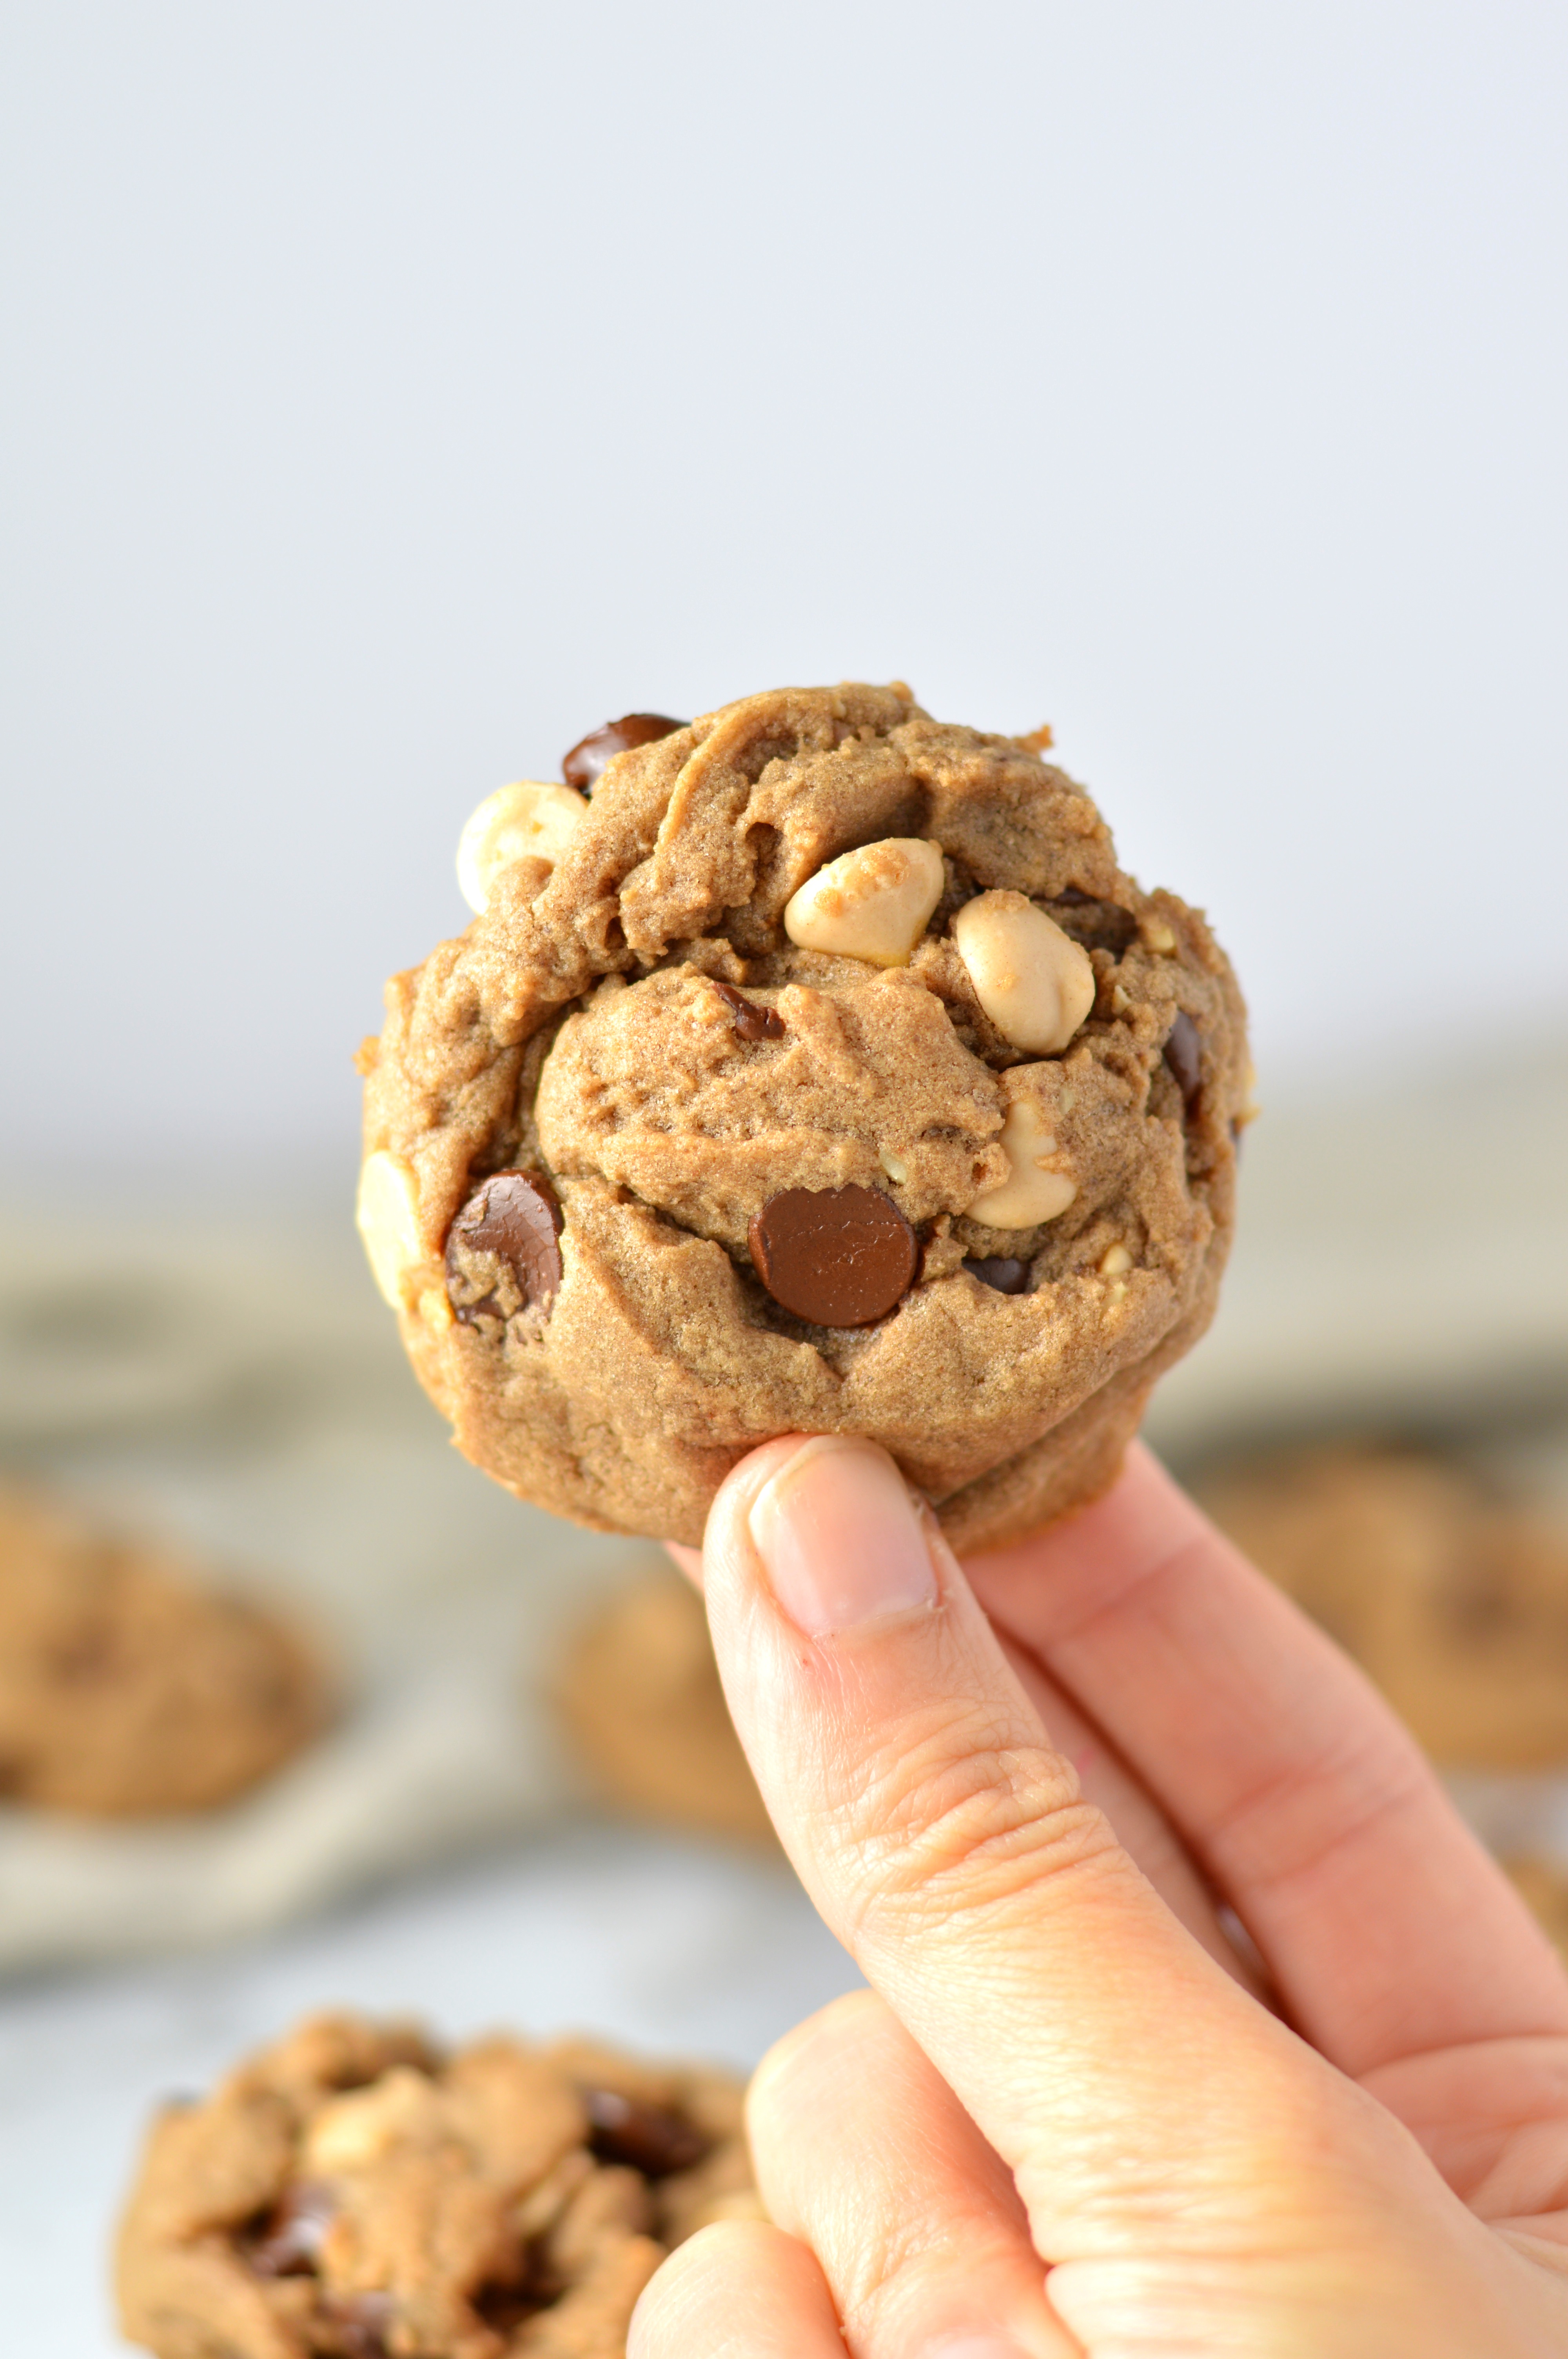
x: 354, y: 2191
x: 736, y: 984
x: 128, y: 1688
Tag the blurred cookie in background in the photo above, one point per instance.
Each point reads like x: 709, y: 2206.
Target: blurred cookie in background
x: 639, y: 1694
x: 1545, y: 1889
x: 355, y: 2190
x: 130, y: 1688
x: 1455, y: 1602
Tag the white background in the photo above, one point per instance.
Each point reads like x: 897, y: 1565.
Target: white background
x: 395, y: 391
x: 392, y: 391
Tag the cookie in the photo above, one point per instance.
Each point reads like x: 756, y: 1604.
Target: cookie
x: 819, y: 1070
x: 639, y: 1693
x: 1543, y: 1887
x: 1455, y: 1604
x: 127, y: 1687
x: 356, y: 2192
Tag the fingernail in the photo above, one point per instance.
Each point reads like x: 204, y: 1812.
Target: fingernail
x: 841, y: 1540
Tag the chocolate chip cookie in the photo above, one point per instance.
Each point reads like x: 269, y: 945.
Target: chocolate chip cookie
x: 127, y: 1686
x: 355, y: 2192
x: 811, y: 1066
x: 640, y: 1696
x: 1543, y: 1887
x: 1455, y: 1602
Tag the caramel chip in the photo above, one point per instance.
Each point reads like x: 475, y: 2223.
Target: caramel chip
x: 515, y: 1216
x: 590, y: 755
x: 837, y: 1256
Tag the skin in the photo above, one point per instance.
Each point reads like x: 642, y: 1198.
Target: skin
x: 1080, y: 2109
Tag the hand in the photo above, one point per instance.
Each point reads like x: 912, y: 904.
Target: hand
x: 1066, y: 2118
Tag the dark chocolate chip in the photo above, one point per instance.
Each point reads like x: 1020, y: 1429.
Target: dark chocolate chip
x: 1184, y: 1054
x: 512, y: 1214
x: 1092, y: 924
x: 290, y: 2241
x: 1007, y: 1277
x: 587, y: 757
x: 752, y: 1020
x: 504, y: 2308
x: 836, y: 1257
x: 649, y: 2137
x: 360, y: 2322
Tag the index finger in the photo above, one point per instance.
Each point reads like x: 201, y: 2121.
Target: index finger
x: 1388, y: 1930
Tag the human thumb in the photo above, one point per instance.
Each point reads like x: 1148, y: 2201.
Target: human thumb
x: 1156, y: 2119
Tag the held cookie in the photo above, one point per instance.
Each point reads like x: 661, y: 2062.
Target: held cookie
x: 356, y: 2193
x: 129, y: 1688
x: 811, y: 1066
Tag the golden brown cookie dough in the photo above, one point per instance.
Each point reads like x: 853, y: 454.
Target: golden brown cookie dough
x: 127, y: 1687
x: 354, y: 2192
x: 814, y: 941
x: 1455, y: 1604
x: 641, y: 1695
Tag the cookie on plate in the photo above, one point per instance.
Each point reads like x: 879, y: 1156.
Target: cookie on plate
x: 128, y: 1687
x: 817, y: 1069
x: 1456, y: 1602
x: 356, y: 2192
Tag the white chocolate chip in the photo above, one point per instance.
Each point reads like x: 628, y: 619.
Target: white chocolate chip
x: 354, y: 2131
x: 895, y: 1167
x: 1031, y: 979
x: 526, y: 821
x: 388, y: 1215
x: 872, y: 904
x: 1030, y: 1193
x: 1160, y: 937
x: 1115, y: 1261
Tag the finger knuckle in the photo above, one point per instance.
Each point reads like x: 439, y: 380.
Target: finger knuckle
x: 962, y: 1818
